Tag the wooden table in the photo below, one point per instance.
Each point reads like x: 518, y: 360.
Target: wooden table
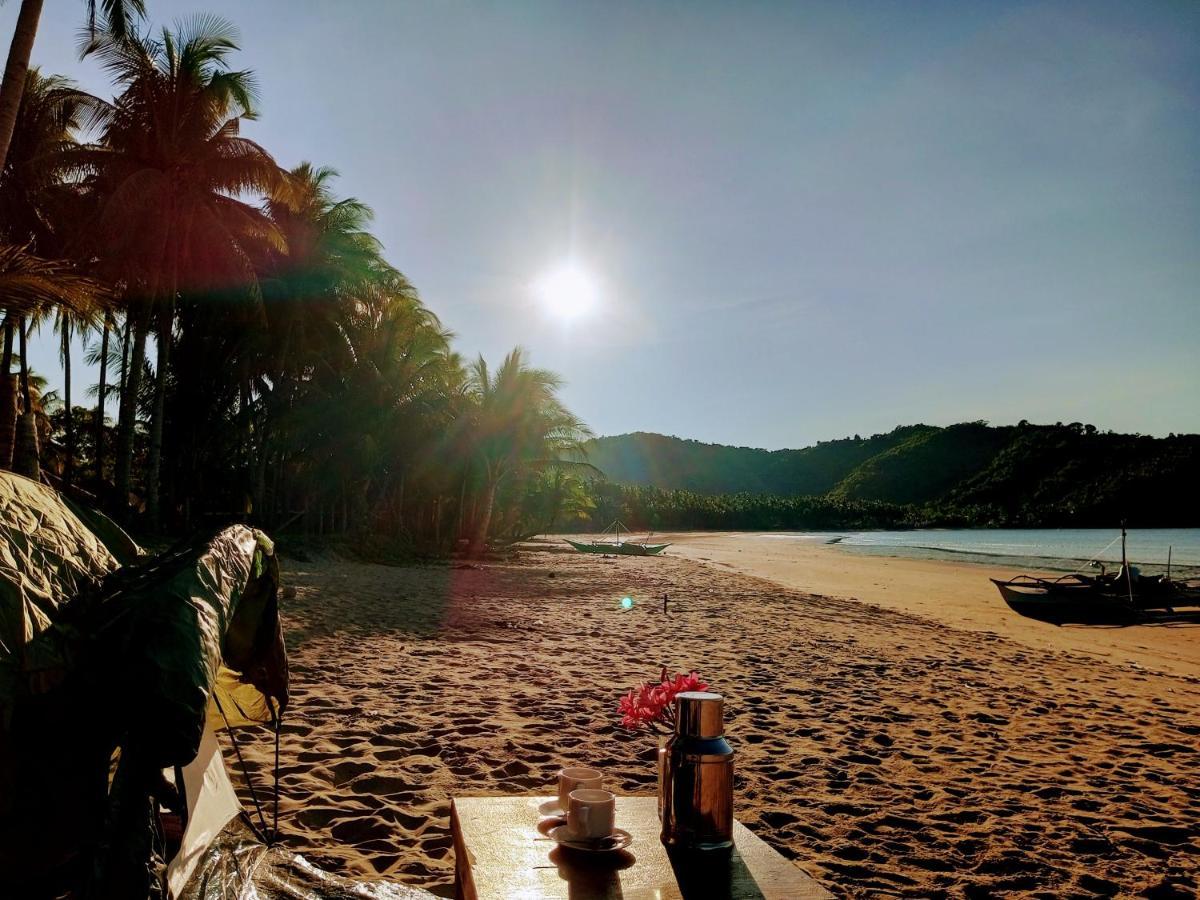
x: 501, y: 854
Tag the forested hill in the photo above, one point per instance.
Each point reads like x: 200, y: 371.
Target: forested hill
x: 970, y: 473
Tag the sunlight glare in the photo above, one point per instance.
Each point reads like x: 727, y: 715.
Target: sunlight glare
x: 567, y: 291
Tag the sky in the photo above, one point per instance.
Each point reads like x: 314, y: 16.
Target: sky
x: 800, y: 221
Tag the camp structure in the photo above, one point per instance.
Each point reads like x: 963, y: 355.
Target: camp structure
x: 117, y: 671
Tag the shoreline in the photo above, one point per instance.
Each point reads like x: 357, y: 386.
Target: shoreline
x: 954, y: 593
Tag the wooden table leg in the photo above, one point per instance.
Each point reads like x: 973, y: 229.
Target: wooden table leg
x: 464, y: 884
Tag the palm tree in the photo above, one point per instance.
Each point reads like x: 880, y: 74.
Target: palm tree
x: 103, y: 355
x: 294, y: 365
x: 34, y: 191
x: 168, y: 173
x: 310, y: 287
x: 119, y: 16
x: 363, y: 427
x: 403, y: 367
x: 31, y: 286
x: 516, y: 422
x: 66, y: 323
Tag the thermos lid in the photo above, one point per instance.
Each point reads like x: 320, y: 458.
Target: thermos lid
x: 699, y: 714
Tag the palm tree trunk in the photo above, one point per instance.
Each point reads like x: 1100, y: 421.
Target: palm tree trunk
x: 259, y: 491
x: 484, y: 522
x: 462, y: 511
x: 8, y: 399
x: 154, y: 457
x: 555, y: 502
x: 68, y: 417
x: 100, y: 398
x: 400, y: 501
x: 128, y: 415
x: 26, y: 394
x: 26, y: 455
x: 13, y: 86
x: 124, y: 362
x: 243, y: 418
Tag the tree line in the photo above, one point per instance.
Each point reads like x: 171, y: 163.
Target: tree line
x: 642, y: 507
x: 598, y: 502
x: 266, y: 360
x: 967, y: 475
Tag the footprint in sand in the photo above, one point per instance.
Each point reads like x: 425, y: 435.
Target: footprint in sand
x: 343, y: 772
x: 360, y: 829
x: 380, y: 785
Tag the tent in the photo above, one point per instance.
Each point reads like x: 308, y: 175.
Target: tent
x: 117, y: 671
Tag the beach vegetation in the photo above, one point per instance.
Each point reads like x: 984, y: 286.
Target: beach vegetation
x: 268, y: 363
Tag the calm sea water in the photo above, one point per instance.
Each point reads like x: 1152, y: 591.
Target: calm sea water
x: 1064, y: 549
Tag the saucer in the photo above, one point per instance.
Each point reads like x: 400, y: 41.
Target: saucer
x: 551, y: 810
x: 619, y: 840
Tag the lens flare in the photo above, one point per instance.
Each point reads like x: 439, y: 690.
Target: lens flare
x: 626, y: 603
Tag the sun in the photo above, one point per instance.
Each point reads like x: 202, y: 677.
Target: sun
x: 567, y: 291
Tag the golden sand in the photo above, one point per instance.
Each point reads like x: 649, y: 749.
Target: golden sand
x: 888, y: 753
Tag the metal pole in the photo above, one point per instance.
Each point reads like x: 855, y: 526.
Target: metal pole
x: 1125, y: 566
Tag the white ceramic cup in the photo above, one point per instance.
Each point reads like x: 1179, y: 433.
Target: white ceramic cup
x: 574, y: 778
x: 591, y: 814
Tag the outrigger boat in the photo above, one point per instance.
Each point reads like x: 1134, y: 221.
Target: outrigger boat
x: 619, y: 546
x: 1110, y: 596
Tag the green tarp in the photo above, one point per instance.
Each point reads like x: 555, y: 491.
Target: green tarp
x: 113, y: 668
x: 96, y: 657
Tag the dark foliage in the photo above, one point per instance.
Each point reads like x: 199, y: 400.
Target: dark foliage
x: 964, y: 475
x: 659, y: 509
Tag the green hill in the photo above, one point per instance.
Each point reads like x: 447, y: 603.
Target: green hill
x: 925, y: 466
x: 965, y: 474
x: 655, y: 460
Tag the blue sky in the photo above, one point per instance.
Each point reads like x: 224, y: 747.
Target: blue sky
x: 803, y: 220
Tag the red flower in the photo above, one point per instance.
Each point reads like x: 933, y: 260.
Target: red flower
x: 653, y: 704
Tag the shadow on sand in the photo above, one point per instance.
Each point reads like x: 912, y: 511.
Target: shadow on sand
x: 1121, y: 619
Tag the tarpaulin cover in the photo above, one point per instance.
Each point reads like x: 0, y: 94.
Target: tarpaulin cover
x: 238, y: 866
x: 48, y: 557
x: 164, y: 630
x: 222, y: 859
x: 95, y: 656
x: 103, y: 650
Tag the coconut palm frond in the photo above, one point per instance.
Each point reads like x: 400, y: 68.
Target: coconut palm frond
x: 30, y: 285
x: 119, y: 15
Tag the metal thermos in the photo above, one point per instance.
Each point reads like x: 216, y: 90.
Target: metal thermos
x: 697, y: 776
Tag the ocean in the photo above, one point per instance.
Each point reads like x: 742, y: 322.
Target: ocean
x: 1053, y: 549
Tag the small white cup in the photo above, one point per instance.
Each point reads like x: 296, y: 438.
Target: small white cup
x: 591, y: 814
x: 574, y: 778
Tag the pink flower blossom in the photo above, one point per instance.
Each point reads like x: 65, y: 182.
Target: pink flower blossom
x: 653, y: 704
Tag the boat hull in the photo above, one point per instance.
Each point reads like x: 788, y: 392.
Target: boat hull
x: 1066, y: 604
x: 623, y: 549
x: 1093, y: 600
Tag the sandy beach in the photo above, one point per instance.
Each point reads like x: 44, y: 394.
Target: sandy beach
x: 887, y: 752
x: 956, y: 594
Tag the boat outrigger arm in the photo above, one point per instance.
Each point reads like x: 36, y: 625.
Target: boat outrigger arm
x: 619, y: 545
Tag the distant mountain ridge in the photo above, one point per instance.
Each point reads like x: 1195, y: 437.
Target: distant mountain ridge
x: 1008, y: 474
